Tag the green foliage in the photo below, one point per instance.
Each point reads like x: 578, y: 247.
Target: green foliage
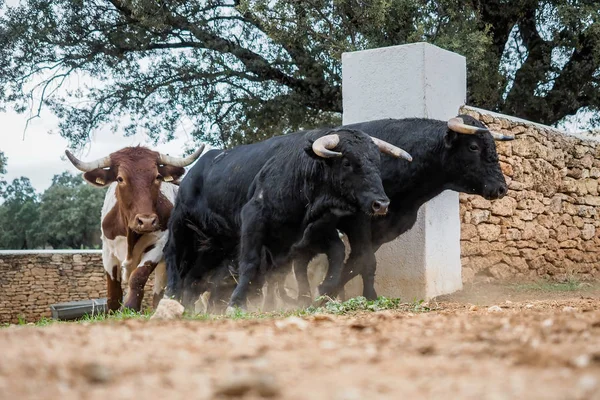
x: 243, y: 70
x: 359, y: 303
x: 66, y: 215
x: 19, y: 215
x: 69, y: 213
x: 3, y: 161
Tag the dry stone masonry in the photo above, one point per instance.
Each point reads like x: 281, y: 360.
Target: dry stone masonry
x: 548, y: 224
x: 31, y: 282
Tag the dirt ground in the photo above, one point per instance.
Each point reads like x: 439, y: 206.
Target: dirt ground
x: 531, y: 344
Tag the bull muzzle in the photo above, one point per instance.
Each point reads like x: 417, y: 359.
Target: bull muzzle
x: 495, y: 192
x: 145, y: 223
x: 380, y: 207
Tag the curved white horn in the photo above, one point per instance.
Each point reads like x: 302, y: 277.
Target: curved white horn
x: 392, y: 150
x: 458, y: 125
x: 181, y: 162
x: 500, y: 136
x: 323, y: 145
x: 88, y: 166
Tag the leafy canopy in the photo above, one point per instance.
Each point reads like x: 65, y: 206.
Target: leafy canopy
x: 66, y: 215
x: 242, y: 70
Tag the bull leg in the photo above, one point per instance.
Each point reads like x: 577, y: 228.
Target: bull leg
x: 160, y: 281
x: 335, y: 255
x: 368, y: 276
x: 252, y: 240
x: 114, y: 295
x: 151, y: 257
x: 137, y: 281
x: 269, y: 295
x: 114, y: 291
x: 127, y: 265
x: 362, y: 259
x: 301, y: 274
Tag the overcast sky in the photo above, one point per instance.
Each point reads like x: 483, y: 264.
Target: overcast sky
x: 39, y: 155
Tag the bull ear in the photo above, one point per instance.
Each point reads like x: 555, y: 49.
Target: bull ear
x: 100, y: 177
x: 450, y: 138
x: 309, y: 150
x: 170, y: 173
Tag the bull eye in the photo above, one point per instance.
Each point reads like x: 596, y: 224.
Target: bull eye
x: 473, y: 147
x: 120, y: 179
x: 159, y: 177
x: 346, y: 163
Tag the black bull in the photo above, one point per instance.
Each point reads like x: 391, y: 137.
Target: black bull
x: 264, y: 198
x: 445, y: 158
x: 458, y: 155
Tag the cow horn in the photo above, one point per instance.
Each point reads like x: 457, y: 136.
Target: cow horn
x: 392, y: 150
x: 88, y: 166
x: 181, y: 162
x: 458, y: 125
x: 323, y: 145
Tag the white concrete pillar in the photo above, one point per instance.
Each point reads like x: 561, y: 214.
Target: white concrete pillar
x: 415, y: 80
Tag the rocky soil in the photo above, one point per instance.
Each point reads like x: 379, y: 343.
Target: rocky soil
x: 479, y: 344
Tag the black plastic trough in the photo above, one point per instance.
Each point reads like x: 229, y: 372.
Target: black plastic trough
x: 77, y: 309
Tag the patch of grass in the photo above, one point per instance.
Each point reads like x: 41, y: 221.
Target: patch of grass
x: 44, y: 321
x: 571, y: 284
x: 362, y: 304
x: 329, y: 306
x: 120, y: 315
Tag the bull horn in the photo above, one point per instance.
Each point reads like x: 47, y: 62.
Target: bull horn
x: 458, y: 125
x: 180, y: 162
x: 392, y: 150
x: 500, y: 136
x: 88, y: 166
x: 323, y: 145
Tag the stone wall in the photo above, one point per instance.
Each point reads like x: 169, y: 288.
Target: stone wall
x: 31, y: 281
x: 548, y: 224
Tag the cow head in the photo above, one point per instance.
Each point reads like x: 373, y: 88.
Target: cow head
x: 355, y: 164
x: 471, y: 161
x: 138, y: 172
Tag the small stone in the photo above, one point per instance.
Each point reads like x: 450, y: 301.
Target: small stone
x: 385, y: 314
x: 547, y: 323
x: 327, y: 345
x: 529, y: 306
x: 96, y: 373
x: 569, y: 309
x: 587, y: 383
x: 494, y: 309
x: 168, y: 309
x: 508, y: 302
x: 581, y: 361
x: 322, y: 317
x: 238, y: 384
x: 294, y: 322
x: 473, y: 308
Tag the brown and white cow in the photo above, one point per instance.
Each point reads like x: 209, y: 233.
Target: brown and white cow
x: 142, y: 185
